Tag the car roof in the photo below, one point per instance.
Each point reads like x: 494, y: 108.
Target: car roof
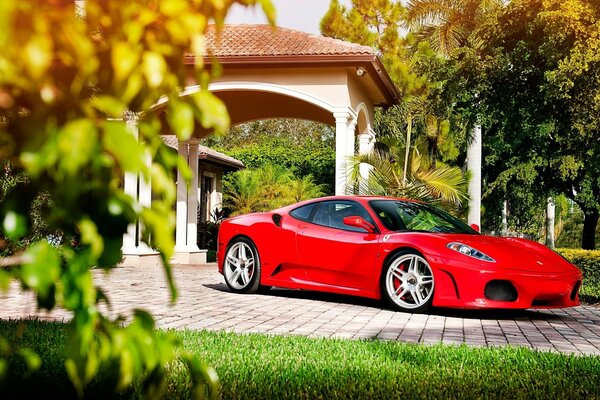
x: 359, y: 198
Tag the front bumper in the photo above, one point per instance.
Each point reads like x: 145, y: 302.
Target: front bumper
x: 463, y: 286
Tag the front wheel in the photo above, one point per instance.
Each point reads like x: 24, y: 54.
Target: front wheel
x: 242, y: 266
x: 408, y: 283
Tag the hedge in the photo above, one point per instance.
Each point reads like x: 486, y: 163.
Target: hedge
x: 588, y: 262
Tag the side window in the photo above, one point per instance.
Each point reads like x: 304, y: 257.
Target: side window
x: 332, y: 214
x: 303, y: 213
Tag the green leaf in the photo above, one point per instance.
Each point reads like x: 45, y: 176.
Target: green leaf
x: 213, y: 113
x: 32, y: 360
x: 162, y: 184
x: 181, y: 119
x: 125, y: 148
x: 42, y: 267
x: 4, y: 280
x: 124, y: 59
x: 37, y: 55
x: 72, y: 371
x: 269, y: 10
x: 204, y: 378
x: 112, y: 254
x: 14, y: 225
x: 90, y: 236
x: 126, y: 368
x: 3, y: 368
x: 109, y: 105
x: 76, y: 145
x: 155, y: 68
x: 144, y: 318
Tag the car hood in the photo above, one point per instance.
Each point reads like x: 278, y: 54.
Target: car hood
x: 515, y: 253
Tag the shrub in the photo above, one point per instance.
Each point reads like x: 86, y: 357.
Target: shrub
x: 588, y: 262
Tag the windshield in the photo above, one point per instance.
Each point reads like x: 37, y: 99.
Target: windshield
x: 398, y: 215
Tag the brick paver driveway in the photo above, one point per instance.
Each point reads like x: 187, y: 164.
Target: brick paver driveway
x: 205, y: 302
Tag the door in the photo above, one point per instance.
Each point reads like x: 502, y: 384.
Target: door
x: 335, y: 254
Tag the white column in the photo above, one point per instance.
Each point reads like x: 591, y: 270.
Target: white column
x: 550, y: 214
x: 341, y: 146
x: 182, y: 204
x: 139, y: 188
x: 474, y: 166
x: 130, y: 187
x: 192, y: 199
x: 186, y: 229
x: 350, y: 151
x: 504, y: 218
x: 366, y: 143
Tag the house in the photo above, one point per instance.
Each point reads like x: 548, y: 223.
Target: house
x: 270, y: 72
x: 211, y: 167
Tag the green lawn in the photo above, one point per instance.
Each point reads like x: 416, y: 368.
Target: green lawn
x: 257, y: 366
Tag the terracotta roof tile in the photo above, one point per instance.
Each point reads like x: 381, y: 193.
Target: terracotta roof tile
x: 264, y: 40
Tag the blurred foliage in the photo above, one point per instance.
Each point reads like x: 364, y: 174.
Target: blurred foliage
x: 74, y: 94
x: 266, y: 188
x: 303, y: 147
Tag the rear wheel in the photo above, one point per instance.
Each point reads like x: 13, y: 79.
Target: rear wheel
x: 242, y: 266
x: 408, y: 283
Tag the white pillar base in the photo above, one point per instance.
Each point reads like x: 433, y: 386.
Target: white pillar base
x: 141, y: 260
x: 189, y: 257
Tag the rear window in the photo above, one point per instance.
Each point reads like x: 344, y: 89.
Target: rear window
x: 303, y: 213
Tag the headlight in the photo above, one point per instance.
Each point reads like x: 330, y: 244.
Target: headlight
x: 469, y: 251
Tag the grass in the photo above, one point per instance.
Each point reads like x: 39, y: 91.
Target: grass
x: 258, y: 366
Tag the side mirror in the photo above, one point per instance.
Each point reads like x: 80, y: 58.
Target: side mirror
x: 475, y: 227
x: 359, y: 222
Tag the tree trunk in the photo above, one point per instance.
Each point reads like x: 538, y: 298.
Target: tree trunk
x: 504, y: 231
x: 408, y: 134
x: 590, y: 221
x: 550, y: 213
x: 474, y: 167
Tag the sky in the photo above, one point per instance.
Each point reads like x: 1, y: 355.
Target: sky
x: 302, y: 15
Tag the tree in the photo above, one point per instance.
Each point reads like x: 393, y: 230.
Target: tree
x: 266, y: 188
x: 445, y: 184
x: 303, y: 147
x: 419, y: 113
x: 66, y: 86
x: 449, y: 24
x: 540, y: 78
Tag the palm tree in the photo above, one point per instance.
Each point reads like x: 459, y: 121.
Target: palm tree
x: 448, y: 24
x: 445, y: 185
x: 304, y: 189
x: 266, y: 188
x: 242, y: 194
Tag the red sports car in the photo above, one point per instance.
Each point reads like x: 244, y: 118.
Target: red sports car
x: 403, y: 251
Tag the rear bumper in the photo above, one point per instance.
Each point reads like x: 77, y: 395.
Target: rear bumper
x: 533, y: 289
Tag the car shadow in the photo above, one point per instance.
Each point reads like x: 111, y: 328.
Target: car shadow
x: 488, y: 314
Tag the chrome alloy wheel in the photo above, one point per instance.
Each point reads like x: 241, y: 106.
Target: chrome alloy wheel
x: 240, y: 264
x: 409, y: 281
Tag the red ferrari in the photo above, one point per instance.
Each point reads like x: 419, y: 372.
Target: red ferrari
x: 406, y: 252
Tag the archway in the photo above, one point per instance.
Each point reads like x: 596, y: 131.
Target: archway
x: 281, y: 73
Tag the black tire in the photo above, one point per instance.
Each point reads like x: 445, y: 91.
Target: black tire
x: 262, y: 289
x: 407, y: 282
x: 241, y: 267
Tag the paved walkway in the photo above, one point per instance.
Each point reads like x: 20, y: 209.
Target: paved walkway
x: 205, y: 302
